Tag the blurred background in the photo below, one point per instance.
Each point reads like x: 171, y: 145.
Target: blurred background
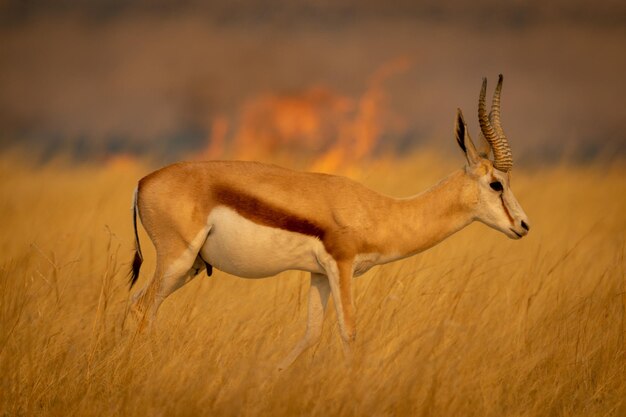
x: 94, y: 94
x: 312, y: 84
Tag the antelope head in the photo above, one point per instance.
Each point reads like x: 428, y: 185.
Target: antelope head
x: 495, y: 204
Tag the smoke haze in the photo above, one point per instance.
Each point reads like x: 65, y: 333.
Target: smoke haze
x: 177, y: 79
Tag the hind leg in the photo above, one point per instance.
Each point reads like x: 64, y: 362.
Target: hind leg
x: 147, y: 301
x: 173, y: 270
x: 318, y: 298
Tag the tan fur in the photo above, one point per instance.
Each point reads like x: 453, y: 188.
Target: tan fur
x: 331, y: 226
x: 347, y: 217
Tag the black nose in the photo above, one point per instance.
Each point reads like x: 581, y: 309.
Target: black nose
x: 525, y: 226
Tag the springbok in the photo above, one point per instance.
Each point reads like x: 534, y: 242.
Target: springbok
x: 255, y: 220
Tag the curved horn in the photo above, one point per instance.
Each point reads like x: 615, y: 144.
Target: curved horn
x: 483, y: 119
x: 506, y: 157
x: 485, y: 125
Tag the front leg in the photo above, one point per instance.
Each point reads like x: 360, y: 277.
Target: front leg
x: 340, y: 279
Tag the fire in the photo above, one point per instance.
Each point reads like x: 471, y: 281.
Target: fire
x: 297, y: 124
x: 361, y: 134
x: 324, y: 129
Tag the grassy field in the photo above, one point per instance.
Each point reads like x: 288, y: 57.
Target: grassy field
x: 479, y: 325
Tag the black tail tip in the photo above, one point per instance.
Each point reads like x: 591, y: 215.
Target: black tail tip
x: 134, y: 272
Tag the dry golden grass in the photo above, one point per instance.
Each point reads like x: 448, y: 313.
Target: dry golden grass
x: 479, y: 325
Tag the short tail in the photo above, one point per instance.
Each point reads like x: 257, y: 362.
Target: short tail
x: 138, y: 259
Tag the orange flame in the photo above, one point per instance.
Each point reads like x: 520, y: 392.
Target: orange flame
x: 325, y: 128
x: 360, y: 135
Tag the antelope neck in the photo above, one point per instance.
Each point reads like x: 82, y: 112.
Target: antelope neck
x: 420, y: 222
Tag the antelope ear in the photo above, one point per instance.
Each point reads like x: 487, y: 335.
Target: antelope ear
x: 464, y: 140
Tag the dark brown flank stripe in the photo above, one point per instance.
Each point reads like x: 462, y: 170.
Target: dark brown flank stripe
x: 265, y: 213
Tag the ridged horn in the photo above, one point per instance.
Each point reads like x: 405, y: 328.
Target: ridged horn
x: 503, y: 160
x: 506, y: 157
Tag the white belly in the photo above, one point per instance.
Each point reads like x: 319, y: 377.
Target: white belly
x: 241, y: 247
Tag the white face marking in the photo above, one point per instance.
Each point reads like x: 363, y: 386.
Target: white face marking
x: 241, y: 247
x: 501, y: 210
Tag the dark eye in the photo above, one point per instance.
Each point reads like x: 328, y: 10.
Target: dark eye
x: 496, y: 186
